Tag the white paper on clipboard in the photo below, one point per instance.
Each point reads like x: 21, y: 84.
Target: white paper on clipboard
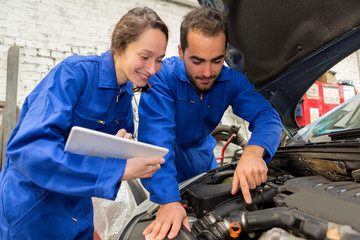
x: 94, y: 143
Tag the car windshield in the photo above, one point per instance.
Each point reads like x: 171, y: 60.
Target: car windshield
x: 345, y: 117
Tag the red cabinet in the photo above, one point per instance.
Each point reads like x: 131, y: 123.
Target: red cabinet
x: 321, y: 98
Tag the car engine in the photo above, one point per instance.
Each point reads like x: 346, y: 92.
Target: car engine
x: 309, y: 207
x: 285, y: 207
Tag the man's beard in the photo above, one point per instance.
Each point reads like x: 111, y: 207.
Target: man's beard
x: 194, y: 84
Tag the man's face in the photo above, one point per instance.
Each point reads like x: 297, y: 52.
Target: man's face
x: 203, y: 58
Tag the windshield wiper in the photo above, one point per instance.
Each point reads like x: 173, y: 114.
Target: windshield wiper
x: 346, y: 134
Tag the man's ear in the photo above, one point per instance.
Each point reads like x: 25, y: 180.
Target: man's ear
x: 118, y: 52
x: 181, y: 53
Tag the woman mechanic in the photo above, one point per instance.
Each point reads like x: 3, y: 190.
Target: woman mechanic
x: 46, y: 192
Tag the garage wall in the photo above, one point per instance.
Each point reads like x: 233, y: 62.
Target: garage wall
x: 348, y: 70
x: 47, y: 31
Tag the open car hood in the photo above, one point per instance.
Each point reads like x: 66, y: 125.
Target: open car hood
x: 283, y: 46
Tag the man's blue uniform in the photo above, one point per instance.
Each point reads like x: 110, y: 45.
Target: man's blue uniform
x: 46, y: 192
x: 176, y: 116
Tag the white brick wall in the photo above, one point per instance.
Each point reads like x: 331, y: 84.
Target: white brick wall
x: 348, y: 69
x: 47, y: 31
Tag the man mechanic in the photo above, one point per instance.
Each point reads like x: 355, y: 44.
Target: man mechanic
x: 185, y: 103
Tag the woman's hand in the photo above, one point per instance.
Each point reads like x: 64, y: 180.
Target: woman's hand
x: 122, y: 133
x: 141, y: 167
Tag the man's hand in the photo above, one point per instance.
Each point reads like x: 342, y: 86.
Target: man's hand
x: 170, y: 215
x: 250, y: 171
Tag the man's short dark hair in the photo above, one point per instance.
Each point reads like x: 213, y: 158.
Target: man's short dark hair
x: 207, y: 21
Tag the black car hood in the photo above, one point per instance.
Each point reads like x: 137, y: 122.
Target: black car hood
x: 284, y: 46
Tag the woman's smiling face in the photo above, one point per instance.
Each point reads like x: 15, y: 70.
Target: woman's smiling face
x: 141, y: 59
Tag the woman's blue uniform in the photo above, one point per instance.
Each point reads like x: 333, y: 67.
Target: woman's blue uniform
x: 46, y: 192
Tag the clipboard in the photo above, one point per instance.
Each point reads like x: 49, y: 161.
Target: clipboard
x: 90, y: 142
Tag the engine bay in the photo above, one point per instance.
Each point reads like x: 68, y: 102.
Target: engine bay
x: 307, y: 207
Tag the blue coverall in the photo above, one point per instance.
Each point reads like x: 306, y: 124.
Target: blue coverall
x: 46, y: 192
x: 172, y: 114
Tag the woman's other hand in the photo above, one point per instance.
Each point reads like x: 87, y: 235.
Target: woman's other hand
x: 141, y: 167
